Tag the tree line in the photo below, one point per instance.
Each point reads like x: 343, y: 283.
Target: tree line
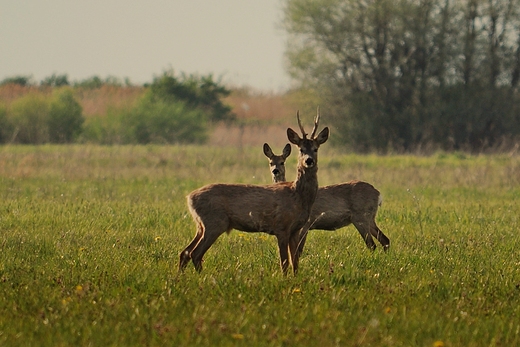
x: 409, y: 74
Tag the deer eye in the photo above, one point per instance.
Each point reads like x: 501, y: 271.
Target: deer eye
x: 281, y: 164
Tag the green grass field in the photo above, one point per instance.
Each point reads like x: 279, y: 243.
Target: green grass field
x: 90, y: 238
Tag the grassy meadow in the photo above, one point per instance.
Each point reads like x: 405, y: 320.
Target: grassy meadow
x: 90, y: 238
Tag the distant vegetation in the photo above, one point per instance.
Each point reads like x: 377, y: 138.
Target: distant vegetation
x: 36, y: 119
x: 171, y: 109
x: 390, y: 76
x: 405, y: 75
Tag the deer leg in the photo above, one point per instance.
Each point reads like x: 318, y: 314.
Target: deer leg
x: 303, y: 237
x: 363, y: 229
x: 294, y: 250
x: 185, y: 255
x: 208, y: 239
x: 378, y: 234
x: 283, y: 248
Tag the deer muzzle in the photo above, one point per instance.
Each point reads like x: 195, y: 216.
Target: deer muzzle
x: 309, y: 162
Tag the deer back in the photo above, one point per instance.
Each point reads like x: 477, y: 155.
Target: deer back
x: 271, y: 208
x: 338, y: 204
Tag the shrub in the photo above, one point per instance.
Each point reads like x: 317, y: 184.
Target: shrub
x: 65, y: 119
x: 106, y: 129
x: 156, y: 120
x: 195, y: 92
x: 28, y: 116
x: 36, y: 118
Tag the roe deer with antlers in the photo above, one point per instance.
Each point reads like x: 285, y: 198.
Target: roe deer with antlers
x: 338, y: 205
x: 278, y: 209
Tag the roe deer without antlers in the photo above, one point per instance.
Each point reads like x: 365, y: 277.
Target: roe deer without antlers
x: 277, y: 162
x: 338, y: 205
x: 277, y: 209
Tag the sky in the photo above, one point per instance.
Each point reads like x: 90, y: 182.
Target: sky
x: 240, y: 42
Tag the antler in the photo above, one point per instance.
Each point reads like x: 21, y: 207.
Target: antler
x: 316, y: 122
x: 300, y: 124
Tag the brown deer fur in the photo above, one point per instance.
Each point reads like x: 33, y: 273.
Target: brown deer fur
x: 277, y: 209
x: 338, y: 205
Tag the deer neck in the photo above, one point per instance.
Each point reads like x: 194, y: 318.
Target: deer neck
x: 306, y: 185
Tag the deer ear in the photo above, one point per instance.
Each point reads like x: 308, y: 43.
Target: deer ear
x: 323, y: 136
x: 293, y: 137
x: 267, y: 151
x: 286, y: 151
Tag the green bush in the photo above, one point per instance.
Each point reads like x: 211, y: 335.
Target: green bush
x: 28, y: 116
x: 155, y: 120
x: 36, y: 119
x: 152, y: 120
x: 199, y: 92
x: 65, y: 119
x: 108, y: 129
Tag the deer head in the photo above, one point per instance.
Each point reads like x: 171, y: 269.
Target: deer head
x: 277, y: 162
x: 308, y: 155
